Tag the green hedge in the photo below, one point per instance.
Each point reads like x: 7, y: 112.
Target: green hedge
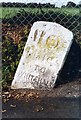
x: 11, y: 54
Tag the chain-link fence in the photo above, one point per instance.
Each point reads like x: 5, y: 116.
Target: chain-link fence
x: 23, y: 14
x: 17, y: 19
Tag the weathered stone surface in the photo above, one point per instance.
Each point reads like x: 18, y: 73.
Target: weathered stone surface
x: 43, y: 57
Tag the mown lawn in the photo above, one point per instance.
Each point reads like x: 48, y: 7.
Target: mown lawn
x: 9, y: 12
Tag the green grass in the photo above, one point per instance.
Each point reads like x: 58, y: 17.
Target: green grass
x: 8, y: 12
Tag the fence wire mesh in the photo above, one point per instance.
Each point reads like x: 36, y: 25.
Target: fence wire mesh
x: 17, y: 19
x: 25, y: 14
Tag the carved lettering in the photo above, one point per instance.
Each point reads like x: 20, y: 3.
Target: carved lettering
x: 41, y: 70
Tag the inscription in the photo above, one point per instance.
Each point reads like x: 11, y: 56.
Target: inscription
x: 40, y: 69
x: 37, y: 81
x: 35, y: 34
x: 41, y: 38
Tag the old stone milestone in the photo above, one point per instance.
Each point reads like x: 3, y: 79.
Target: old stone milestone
x: 43, y: 57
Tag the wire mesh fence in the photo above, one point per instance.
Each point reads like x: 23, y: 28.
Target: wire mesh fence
x: 23, y: 14
x: 17, y: 19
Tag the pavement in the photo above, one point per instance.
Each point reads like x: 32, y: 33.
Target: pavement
x: 47, y: 108
x: 63, y: 101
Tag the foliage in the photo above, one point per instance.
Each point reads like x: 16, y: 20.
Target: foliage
x: 11, y: 54
x: 33, y: 5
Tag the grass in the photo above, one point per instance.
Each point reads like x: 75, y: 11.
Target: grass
x: 9, y: 12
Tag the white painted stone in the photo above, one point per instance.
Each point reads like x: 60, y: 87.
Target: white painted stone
x: 43, y: 57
